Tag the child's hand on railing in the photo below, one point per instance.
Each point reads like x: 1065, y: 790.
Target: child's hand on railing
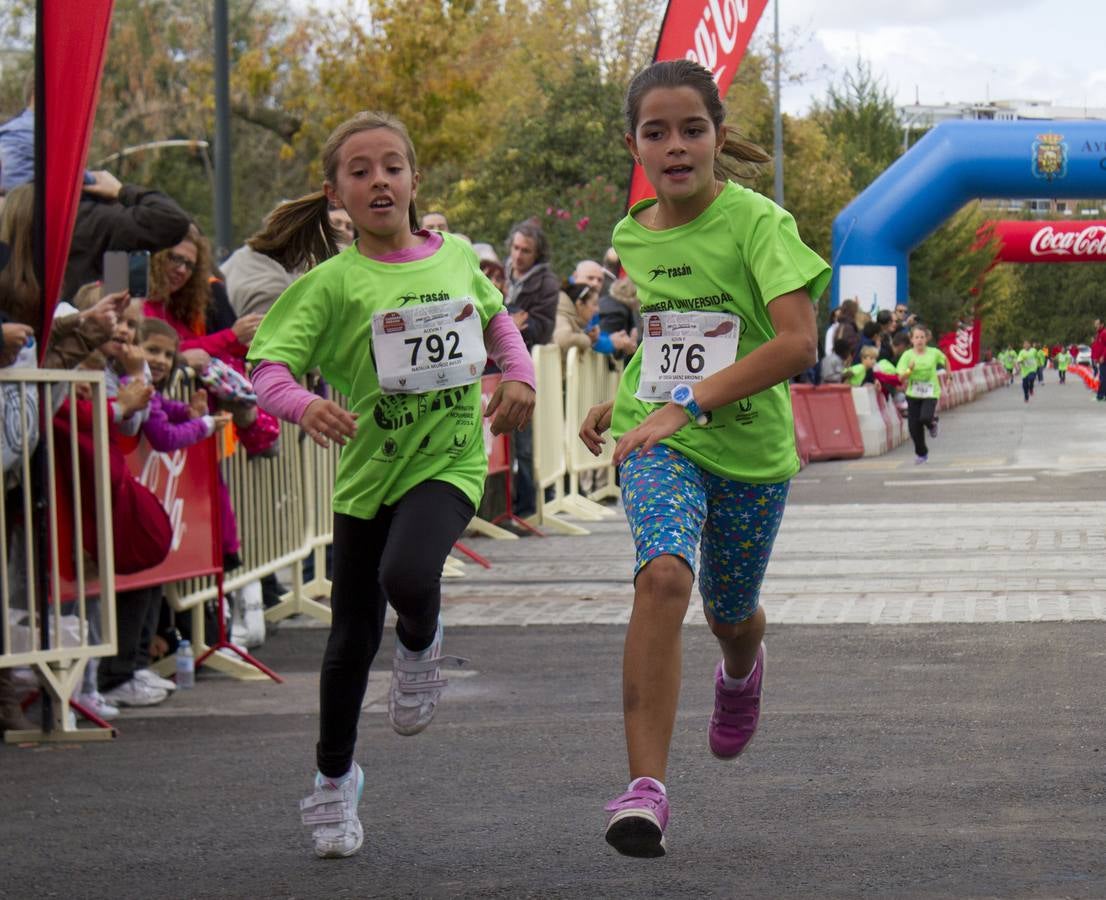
x: 198, y: 403
x: 133, y: 396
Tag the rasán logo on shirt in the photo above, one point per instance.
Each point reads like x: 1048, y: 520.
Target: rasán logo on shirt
x: 435, y: 297
x: 669, y: 272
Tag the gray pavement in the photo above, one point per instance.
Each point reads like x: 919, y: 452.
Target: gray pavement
x: 933, y: 724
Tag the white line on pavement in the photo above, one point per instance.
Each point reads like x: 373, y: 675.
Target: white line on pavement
x: 993, y: 480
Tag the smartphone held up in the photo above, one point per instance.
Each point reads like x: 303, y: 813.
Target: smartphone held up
x: 125, y: 271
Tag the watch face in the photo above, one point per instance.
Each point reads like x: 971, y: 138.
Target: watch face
x: 681, y: 393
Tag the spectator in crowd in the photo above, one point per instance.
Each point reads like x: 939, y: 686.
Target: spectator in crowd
x: 533, y: 289
x: 620, y: 310
x: 17, y: 144
x: 862, y: 372
x: 533, y: 292
x: 835, y: 362
x: 434, y: 221
x: 343, y: 225
x: 263, y: 268
x: 871, y: 336
x: 847, y: 327
x: 1098, y: 356
x: 831, y: 332
x: 612, y: 263
x: 180, y: 294
x: 578, y: 321
x: 19, y: 350
x: 886, y: 322
x: 491, y: 266
x: 116, y: 216
x: 73, y: 335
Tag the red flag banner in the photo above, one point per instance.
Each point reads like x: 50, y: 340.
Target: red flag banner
x: 714, y: 33
x: 74, y: 35
x: 962, y: 346
x: 1050, y: 241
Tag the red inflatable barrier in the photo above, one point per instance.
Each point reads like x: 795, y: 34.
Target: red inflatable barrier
x: 826, y: 417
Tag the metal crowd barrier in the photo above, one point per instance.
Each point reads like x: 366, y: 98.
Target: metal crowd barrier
x: 590, y: 379
x: 53, y: 631
x: 284, y: 503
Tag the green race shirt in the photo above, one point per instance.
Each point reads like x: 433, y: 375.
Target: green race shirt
x: 1063, y: 360
x: 854, y: 375
x: 925, y: 371
x: 1028, y: 361
x: 739, y: 254
x: 886, y: 367
x: 324, y: 320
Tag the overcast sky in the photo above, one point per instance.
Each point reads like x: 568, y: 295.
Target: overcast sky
x: 950, y: 51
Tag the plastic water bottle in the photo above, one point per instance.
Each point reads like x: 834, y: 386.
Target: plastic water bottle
x: 186, y: 665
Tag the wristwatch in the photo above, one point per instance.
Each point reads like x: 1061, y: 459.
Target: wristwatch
x: 683, y: 395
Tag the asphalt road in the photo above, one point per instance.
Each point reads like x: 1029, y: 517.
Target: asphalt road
x: 927, y: 758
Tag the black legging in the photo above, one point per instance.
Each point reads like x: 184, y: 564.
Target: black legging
x: 1027, y: 384
x: 394, y: 558
x: 919, y: 416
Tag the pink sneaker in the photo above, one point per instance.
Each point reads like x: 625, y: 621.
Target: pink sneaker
x: 736, y: 713
x: 635, y: 826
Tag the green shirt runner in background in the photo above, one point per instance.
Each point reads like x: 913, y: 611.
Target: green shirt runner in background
x: 925, y: 371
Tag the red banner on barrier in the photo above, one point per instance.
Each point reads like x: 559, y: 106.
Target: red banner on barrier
x: 186, y: 484
x: 714, y: 34
x: 962, y: 346
x: 1050, y: 241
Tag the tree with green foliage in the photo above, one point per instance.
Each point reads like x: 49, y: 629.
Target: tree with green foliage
x: 858, y: 117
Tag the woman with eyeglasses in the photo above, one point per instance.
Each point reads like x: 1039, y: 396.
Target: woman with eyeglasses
x: 181, y: 294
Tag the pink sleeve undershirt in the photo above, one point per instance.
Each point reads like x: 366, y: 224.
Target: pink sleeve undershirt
x: 280, y: 394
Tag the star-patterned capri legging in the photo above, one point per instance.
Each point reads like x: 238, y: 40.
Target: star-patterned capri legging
x: 673, y: 506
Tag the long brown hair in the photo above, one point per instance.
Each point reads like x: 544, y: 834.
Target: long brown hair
x: 744, y: 157
x: 188, y: 304
x: 298, y: 233
x: 19, y: 292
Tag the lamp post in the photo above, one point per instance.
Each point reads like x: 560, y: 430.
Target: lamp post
x: 777, y: 120
x: 223, y: 234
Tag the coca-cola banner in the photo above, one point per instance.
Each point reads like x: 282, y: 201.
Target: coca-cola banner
x: 1051, y: 241
x: 962, y: 346
x: 715, y: 34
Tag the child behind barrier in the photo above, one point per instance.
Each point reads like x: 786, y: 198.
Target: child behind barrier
x: 835, y: 363
x: 861, y: 373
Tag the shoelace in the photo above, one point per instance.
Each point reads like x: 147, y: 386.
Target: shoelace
x: 410, y: 669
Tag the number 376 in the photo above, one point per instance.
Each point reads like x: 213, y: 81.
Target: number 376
x: 693, y: 359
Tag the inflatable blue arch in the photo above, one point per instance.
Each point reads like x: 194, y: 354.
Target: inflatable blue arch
x: 952, y: 164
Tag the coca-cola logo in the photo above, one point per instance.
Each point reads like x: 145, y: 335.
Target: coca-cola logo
x: 961, y: 348
x: 716, y: 31
x: 1089, y: 241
